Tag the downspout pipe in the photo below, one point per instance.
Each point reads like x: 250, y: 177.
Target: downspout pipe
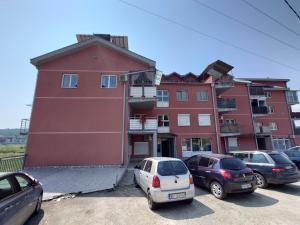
x: 215, y: 116
x: 123, y: 121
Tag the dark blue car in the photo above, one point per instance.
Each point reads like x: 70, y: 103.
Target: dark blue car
x: 221, y: 174
x: 294, y: 156
x: 20, y: 197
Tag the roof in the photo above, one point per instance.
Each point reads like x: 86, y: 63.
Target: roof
x: 264, y: 79
x: 83, y: 44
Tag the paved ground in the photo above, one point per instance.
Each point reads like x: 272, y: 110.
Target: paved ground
x: 58, y: 181
x: 128, y: 205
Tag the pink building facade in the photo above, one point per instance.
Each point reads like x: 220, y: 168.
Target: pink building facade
x: 97, y: 103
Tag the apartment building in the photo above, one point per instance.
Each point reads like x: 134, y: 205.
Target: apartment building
x: 98, y: 103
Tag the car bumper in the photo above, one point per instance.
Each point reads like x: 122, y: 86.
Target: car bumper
x: 160, y: 196
x: 284, y: 180
x: 236, y: 187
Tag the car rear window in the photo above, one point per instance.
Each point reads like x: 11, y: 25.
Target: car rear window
x: 169, y: 168
x: 232, y: 164
x: 293, y: 153
x: 280, y: 159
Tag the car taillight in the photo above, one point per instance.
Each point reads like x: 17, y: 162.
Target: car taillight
x: 278, y: 170
x: 226, y: 174
x: 191, y: 179
x: 155, y: 182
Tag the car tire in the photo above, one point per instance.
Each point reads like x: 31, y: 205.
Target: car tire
x: 250, y: 192
x: 189, y: 201
x: 152, y: 205
x: 217, y: 190
x: 38, y: 204
x: 135, y: 183
x: 260, y: 180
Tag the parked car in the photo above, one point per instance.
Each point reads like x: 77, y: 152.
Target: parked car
x: 295, y: 148
x: 20, y: 197
x: 294, y: 156
x: 164, y: 180
x: 269, y: 167
x: 222, y: 174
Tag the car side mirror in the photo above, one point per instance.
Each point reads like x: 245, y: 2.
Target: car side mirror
x: 35, y: 182
x: 137, y: 167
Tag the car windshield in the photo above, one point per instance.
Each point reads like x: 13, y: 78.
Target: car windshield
x: 169, y: 168
x: 280, y: 159
x: 232, y: 164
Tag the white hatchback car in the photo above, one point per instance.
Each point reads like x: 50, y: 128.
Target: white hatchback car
x: 164, y: 180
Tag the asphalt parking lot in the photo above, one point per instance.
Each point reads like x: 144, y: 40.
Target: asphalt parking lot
x: 128, y: 205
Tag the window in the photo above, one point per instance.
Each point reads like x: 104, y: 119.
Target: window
x: 108, y: 81
x: 232, y: 144
x: 148, y: 166
x: 202, y: 96
x: 203, y: 162
x: 193, y: 161
x: 268, y: 94
x: 232, y: 164
x: 162, y: 97
x: 23, y: 182
x: 169, y: 168
x: 271, y: 109
x: 141, y: 165
x: 273, y: 126
x: 163, y: 121
x: 242, y: 156
x: 183, y: 120
x: 196, y: 144
x: 281, y: 143
x: 231, y: 121
x: 297, y: 123
x: 181, y: 95
x: 204, y: 119
x: 258, y: 158
x: 69, y: 81
x: 280, y: 159
x: 5, y: 188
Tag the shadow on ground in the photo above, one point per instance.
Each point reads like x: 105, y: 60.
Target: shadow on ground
x: 291, y: 189
x: 251, y: 200
x: 36, y: 219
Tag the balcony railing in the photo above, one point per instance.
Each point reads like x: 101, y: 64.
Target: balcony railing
x: 224, y: 84
x: 262, y: 130
x: 224, y: 104
x: 260, y: 110
x: 257, y: 91
x: 24, y: 126
x: 292, y: 97
x: 142, y: 92
x: 229, y: 129
x: 139, y: 124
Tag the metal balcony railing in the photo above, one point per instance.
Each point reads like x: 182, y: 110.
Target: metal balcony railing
x: 262, y: 129
x: 148, y: 123
x: 24, y: 126
x: 229, y: 128
x: 224, y: 103
x: 260, y: 110
x: 142, y: 92
x: 257, y: 91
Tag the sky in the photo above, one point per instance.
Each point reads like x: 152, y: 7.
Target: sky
x: 32, y: 28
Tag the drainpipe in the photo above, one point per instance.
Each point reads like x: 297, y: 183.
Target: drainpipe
x: 215, y: 117
x: 248, y: 89
x: 290, y: 119
x: 123, y: 121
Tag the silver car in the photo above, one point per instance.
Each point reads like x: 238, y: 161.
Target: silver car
x: 20, y: 197
x: 164, y: 180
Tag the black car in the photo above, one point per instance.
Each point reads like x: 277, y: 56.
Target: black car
x: 293, y: 155
x: 20, y: 197
x: 269, y: 167
x: 221, y: 174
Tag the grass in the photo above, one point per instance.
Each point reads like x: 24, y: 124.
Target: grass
x: 11, y: 150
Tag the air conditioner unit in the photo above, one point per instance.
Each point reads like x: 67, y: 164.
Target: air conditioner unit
x: 123, y: 78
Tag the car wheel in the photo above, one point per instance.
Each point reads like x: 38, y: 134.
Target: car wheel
x: 217, y: 190
x: 250, y: 192
x: 189, y: 201
x: 152, y: 205
x: 135, y: 183
x: 260, y: 180
x: 38, y: 204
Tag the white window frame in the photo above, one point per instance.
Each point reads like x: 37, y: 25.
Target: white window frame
x: 70, y: 81
x: 162, y: 103
x: 297, y: 123
x: 109, y: 77
x: 283, y: 140
x: 184, y: 125
x: 190, y: 140
x: 231, y: 121
x: 187, y: 96
x: 198, y: 95
x: 273, y: 126
x: 271, y: 109
x: 233, y: 147
x: 206, y: 123
x: 268, y: 94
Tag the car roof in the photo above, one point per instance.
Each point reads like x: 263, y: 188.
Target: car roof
x: 257, y: 151
x: 214, y: 155
x: 3, y: 174
x: 159, y: 159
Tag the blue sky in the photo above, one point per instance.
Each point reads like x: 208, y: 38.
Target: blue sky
x: 31, y: 28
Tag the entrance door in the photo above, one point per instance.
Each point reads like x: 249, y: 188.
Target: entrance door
x: 261, y: 143
x: 165, y: 148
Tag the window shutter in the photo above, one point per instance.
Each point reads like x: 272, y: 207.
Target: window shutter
x: 204, y: 119
x: 183, y: 119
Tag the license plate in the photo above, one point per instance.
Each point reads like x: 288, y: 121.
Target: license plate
x: 245, y: 186
x: 177, y: 195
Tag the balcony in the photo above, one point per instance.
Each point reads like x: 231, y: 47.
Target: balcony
x: 262, y: 130
x: 260, y: 110
x: 226, y: 105
x: 142, y: 97
x: 223, y: 86
x: 227, y: 130
x: 24, y: 127
x: 292, y: 97
x: 143, y: 125
x: 257, y: 91
x: 163, y: 129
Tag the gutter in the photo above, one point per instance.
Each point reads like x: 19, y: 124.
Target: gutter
x: 123, y: 122
x: 215, y: 117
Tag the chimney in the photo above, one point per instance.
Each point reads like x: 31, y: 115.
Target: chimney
x: 121, y: 41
